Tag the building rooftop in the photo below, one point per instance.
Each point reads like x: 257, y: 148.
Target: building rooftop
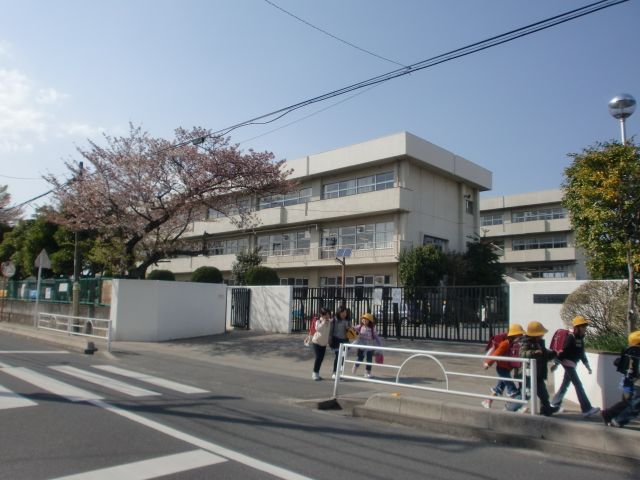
x: 543, y: 197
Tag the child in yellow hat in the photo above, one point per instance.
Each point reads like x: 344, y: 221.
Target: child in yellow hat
x: 629, y: 363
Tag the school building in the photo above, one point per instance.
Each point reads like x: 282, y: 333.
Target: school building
x: 368, y: 201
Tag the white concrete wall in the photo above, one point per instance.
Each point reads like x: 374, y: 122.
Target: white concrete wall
x: 522, y: 310
x: 154, y: 310
x: 270, y: 309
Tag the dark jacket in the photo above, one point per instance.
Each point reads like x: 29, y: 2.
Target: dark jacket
x: 534, y: 347
x: 573, y: 350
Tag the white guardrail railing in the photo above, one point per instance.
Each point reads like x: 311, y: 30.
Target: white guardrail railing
x: 526, y: 380
x: 78, y: 326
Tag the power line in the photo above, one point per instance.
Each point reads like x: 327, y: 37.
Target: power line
x: 430, y: 62
x: 334, y: 36
x: 21, y: 178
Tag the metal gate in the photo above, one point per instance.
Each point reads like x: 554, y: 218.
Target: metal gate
x: 463, y: 314
x: 240, y: 306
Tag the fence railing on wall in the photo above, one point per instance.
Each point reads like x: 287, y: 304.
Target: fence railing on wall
x: 93, y: 291
x: 467, y: 314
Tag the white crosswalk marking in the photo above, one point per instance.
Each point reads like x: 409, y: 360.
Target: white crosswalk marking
x: 51, y: 385
x: 155, y: 467
x: 9, y: 399
x: 105, y: 382
x: 157, y: 381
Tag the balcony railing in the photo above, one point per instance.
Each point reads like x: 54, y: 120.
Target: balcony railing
x: 384, y: 249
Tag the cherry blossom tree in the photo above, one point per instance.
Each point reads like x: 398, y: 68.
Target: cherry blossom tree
x: 8, y: 214
x: 142, y: 194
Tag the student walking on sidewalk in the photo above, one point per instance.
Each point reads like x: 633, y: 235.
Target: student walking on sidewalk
x: 320, y: 340
x: 533, y: 347
x: 572, y: 352
x: 366, y: 336
x: 509, y: 347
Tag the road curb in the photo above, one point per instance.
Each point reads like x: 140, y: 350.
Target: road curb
x: 589, y: 440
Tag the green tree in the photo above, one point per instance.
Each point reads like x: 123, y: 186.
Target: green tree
x: 261, y: 275
x: 422, y: 266
x: 482, y: 264
x: 602, y: 194
x: 245, y: 261
x: 161, y: 275
x: 206, y: 275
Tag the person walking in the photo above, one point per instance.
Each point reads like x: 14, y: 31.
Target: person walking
x: 533, y: 347
x: 572, y: 352
x: 628, y: 408
x: 507, y: 348
x: 320, y: 340
x: 339, y: 326
x: 366, y: 336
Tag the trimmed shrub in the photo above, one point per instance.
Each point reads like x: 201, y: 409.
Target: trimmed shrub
x: 206, y: 275
x: 261, y: 276
x: 161, y: 275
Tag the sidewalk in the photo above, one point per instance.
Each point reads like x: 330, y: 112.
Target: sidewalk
x: 285, y: 354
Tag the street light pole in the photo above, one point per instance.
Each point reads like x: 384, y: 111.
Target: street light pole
x: 75, y: 306
x: 622, y: 107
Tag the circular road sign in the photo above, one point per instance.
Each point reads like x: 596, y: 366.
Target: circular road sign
x: 8, y: 269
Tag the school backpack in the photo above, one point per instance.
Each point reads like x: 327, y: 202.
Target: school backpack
x: 622, y: 363
x: 494, y: 341
x: 312, y: 326
x: 558, y: 340
x: 514, y: 351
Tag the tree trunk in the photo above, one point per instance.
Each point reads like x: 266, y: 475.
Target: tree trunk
x: 631, y: 304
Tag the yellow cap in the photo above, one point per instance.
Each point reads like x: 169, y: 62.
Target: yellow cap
x: 515, y: 329
x: 536, y: 329
x: 634, y: 338
x: 367, y: 316
x: 579, y: 320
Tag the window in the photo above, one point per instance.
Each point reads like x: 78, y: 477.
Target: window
x: 289, y: 243
x: 559, y: 241
x: 241, y: 206
x: 439, y: 243
x: 491, y: 219
x: 228, y: 247
x: 359, y: 237
x: 551, y: 213
x: 296, y: 282
x: 291, y: 198
x: 544, y: 271
x: 469, y: 206
x: 370, y: 183
x: 360, y: 280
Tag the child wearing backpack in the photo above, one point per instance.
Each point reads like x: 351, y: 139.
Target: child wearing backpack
x: 509, y: 346
x: 533, y: 347
x: 569, y: 354
x: 624, y: 411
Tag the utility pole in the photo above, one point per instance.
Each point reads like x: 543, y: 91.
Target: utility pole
x: 77, y: 268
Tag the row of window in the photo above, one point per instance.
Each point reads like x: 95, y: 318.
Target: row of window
x: 227, y: 247
x: 544, y: 271
x: 291, y: 243
x: 551, y: 213
x: 371, y: 183
x: 294, y: 281
x: 559, y: 241
x: 351, y: 281
x: 293, y: 198
x: 371, y: 235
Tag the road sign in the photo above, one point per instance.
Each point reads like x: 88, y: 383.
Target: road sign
x: 8, y: 269
x: 42, y: 261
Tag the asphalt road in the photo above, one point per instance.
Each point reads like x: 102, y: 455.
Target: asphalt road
x: 244, y: 423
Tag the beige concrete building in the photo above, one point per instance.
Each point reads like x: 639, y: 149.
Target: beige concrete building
x: 375, y: 198
x: 532, y: 234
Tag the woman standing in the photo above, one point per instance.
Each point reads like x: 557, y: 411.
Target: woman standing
x: 339, y: 327
x: 320, y: 340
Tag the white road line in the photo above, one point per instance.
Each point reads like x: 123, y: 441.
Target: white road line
x: 157, y: 381
x: 33, y: 352
x: 9, y: 399
x: 155, y: 467
x: 105, y: 382
x: 51, y: 385
x: 203, y: 444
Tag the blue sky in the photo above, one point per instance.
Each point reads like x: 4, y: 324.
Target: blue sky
x: 74, y: 69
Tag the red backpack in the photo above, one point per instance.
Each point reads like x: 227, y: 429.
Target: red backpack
x: 558, y: 340
x: 514, y: 351
x: 494, y: 341
x: 312, y: 326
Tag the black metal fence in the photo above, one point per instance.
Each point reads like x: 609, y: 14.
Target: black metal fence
x: 240, y: 307
x: 464, y: 314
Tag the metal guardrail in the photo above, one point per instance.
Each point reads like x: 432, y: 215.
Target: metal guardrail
x: 78, y: 326
x: 528, y: 371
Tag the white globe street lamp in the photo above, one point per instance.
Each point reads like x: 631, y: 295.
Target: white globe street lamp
x: 621, y: 107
